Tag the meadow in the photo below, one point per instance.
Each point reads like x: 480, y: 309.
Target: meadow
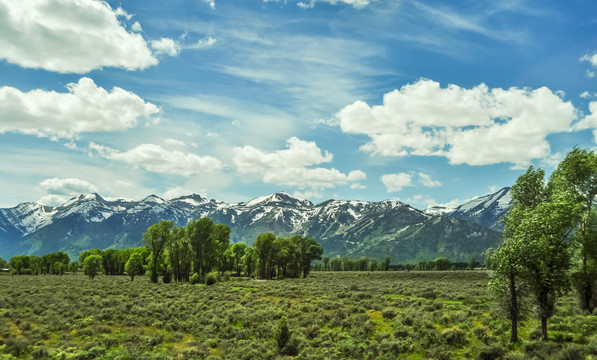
x: 329, y: 315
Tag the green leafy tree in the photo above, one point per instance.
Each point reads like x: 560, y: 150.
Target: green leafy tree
x: 156, y: 238
x: 134, y: 265
x: 249, y: 261
x: 577, y: 173
x: 3, y: 263
x: 264, y: 248
x: 220, y: 240
x: 92, y: 265
x: 179, y: 254
x: 199, y: 233
x: 308, y: 251
x: 237, y: 251
x: 385, y: 265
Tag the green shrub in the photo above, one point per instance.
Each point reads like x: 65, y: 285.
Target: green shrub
x: 195, y: 279
x: 281, y: 332
x: 211, y: 278
x: 167, y: 276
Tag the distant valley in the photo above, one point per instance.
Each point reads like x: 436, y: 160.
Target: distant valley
x: 342, y: 227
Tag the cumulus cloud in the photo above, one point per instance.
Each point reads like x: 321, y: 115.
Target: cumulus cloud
x: 291, y: 167
x: 84, y: 108
x: 156, y: 159
x: 589, y: 121
x: 477, y: 126
x: 395, y: 182
x: 427, y: 181
x: 165, y: 46
x: 358, y: 4
x: 69, y: 36
x: 136, y: 27
x: 61, y: 189
x: 68, y: 186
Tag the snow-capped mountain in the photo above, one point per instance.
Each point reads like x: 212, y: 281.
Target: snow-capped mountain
x: 486, y: 210
x: 342, y: 227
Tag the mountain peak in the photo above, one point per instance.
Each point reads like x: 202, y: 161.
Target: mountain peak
x: 153, y: 199
x: 277, y: 199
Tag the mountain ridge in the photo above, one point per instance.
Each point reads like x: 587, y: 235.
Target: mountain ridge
x: 343, y: 227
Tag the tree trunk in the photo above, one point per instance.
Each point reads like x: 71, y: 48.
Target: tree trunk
x: 514, y: 311
x: 544, y: 328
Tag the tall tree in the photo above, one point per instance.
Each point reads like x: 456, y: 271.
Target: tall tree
x: 179, y: 254
x: 308, y: 250
x: 156, y: 238
x: 199, y: 233
x: 578, y: 173
x: 220, y: 240
x: 264, y: 248
x: 92, y: 265
x: 237, y: 252
x: 507, y: 280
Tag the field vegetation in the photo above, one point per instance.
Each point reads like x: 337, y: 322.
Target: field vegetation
x: 328, y: 315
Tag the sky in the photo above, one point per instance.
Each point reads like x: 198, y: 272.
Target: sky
x: 428, y: 102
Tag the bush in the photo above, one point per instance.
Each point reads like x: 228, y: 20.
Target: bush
x: 211, y: 278
x: 281, y: 332
x: 195, y: 279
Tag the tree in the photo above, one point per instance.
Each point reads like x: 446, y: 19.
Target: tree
x: 578, y: 173
x: 220, y: 240
x: 250, y: 261
x: 179, y: 254
x: 156, y: 238
x: 264, y: 246
x: 92, y: 265
x: 134, y: 265
x: 326, y: 263
x: 199, y: 234
x: 385, y: 265
x: 507, y: 279
x: 237, y: 252
x: 308, y: 250
x: 3, y: 263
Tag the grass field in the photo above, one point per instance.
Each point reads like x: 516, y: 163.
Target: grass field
x: 330, y: 315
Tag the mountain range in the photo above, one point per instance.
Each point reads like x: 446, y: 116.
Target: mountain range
x: 342, y: 227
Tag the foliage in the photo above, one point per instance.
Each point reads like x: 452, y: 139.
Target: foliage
x: 329, y: 315
x: 156, y: 237
x: 92, y: 265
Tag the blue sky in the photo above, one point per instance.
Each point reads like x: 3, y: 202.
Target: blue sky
x: 428, y: 102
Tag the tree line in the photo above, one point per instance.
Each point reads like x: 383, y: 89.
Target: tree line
x: 191, y: 253
x: 549, y: 242
x: 55, y: 263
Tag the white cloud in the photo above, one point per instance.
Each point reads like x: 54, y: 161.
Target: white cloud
x: 156, y: 159
x: 358, y: 4
x: 427, y: 181
x: 289, y: 167
x: 210, y: 3
x: 121, y: 12
x: 69, y: 36
x: 61, y: 189
x: 175, y: 143
x: 592, y: 59
x: 201, y: 44
x: 475, y: 126
x: 85, y: 108
x: 589, y: 121
x: 68, y: 186
x: 395, y: 182
x: 165, y: 46
x: 136, y: 27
